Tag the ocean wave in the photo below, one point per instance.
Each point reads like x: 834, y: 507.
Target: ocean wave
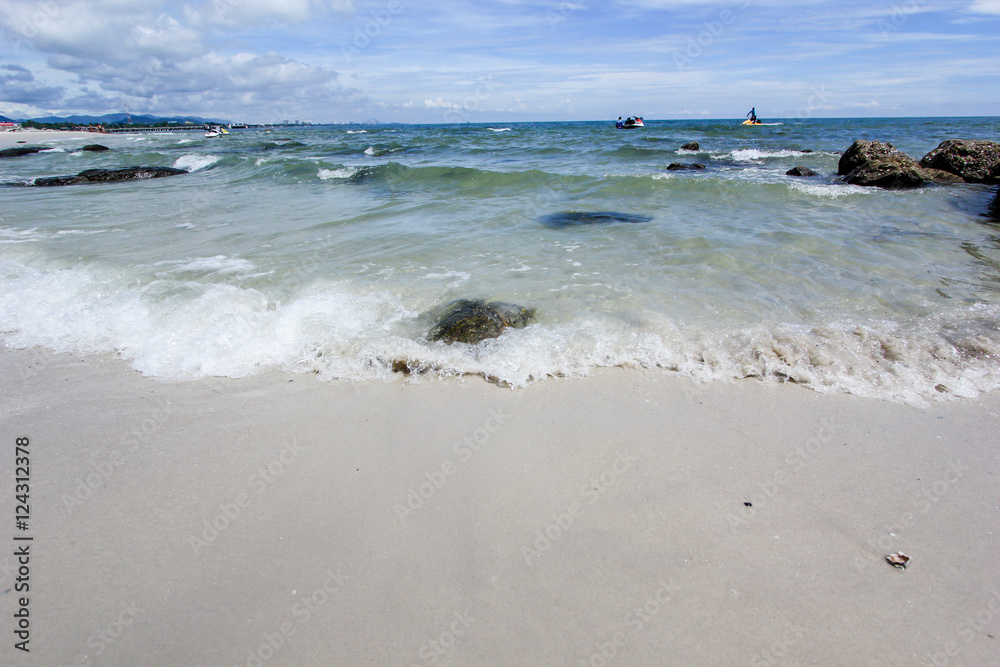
x: 220, y: 264
x: 195, y: 161
x: 175, y: 328
x: 830, y: 189
x: 757, y: 154
x: 342, y: 172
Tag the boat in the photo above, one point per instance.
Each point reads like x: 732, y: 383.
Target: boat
x: 216, y: 131
x: 630, y: 123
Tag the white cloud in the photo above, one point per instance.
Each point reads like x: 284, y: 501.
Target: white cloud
x: 986, y: 7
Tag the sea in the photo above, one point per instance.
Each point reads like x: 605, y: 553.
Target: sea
x: 328, y: 250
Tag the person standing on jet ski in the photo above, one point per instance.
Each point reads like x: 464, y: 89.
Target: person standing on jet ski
x: 753, y: 115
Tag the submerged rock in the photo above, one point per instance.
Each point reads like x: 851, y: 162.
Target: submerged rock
x: 472, y: 321
x: 973, y: 161
x: 691, y: 146
x: 677, y: 166
x: 19, y: 151
x: 110, y: 176
x: 95, y: 148
x: 800, y: 171
x: 573, y: 218
x: 994, y: 209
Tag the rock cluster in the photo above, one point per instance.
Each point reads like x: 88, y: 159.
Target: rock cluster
x: 874, y: 163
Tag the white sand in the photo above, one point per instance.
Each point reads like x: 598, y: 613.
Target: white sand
x: 41, y: 137
x: 598, y: 515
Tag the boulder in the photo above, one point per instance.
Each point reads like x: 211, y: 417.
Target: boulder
x: 677, y: 166
x: 974, y: 161
x: 800, y: 171
x: 19, y: 151
x: 110, y: 176
x: 863, y: 152
x: 691, y: 146
x: 994, y: 210
x: 96, y: 148
x: 471, y: 321
x: 898, y: 172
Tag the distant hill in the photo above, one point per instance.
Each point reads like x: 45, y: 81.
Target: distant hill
x: 4, y: 119
x: 119, y: 119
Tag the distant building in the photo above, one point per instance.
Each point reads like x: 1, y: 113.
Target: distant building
x: 7, y: 126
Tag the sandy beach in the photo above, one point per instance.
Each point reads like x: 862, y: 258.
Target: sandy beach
x: 32, y: 137
x: 627, y: 518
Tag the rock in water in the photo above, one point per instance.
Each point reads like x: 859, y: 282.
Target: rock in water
x: 974, y: 161
x: 95, y: 148
x: 677, y: 166
x: 19, y: 151
x: 995, y: 206
x: 691, y: 146
x: 573, y: 218
x: 800, y: 171
x: 873, y: 163
x: 863, y: 152
x: 110, y: 176
x: 471, y: 321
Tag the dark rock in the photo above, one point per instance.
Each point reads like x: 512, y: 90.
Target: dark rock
x: 974, y: 161
x: 806, y: 150
x: 863, y: 152
x: 19, y: 151
x: 110, y: 176
x: 898, y: 172
x: 691, y: 146
x: 471, y: 321
x: 872, y: 163
x: 96, y: 148
x: 573, y: 218
x: 800, y: 171
x: 677, y: 166
x: 994, y: 210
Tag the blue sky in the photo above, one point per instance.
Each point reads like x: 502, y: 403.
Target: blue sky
x: 499, y: 60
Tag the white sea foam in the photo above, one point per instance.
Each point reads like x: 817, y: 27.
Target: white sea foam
x: 370, y: 150
x: 195, y: 161
x: 756, y: 154
x: 357, y: 131
x: 343, y: 172
x: 215, y: 264
x: 830, y: 189
x: 498, y: 129
x: 174, y: 327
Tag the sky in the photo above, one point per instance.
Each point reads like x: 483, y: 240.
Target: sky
x: 335, y: 61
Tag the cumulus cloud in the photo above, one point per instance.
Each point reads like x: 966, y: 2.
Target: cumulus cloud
x: 162, y: 57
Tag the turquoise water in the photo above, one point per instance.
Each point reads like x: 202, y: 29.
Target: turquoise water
x: 323, y: 249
